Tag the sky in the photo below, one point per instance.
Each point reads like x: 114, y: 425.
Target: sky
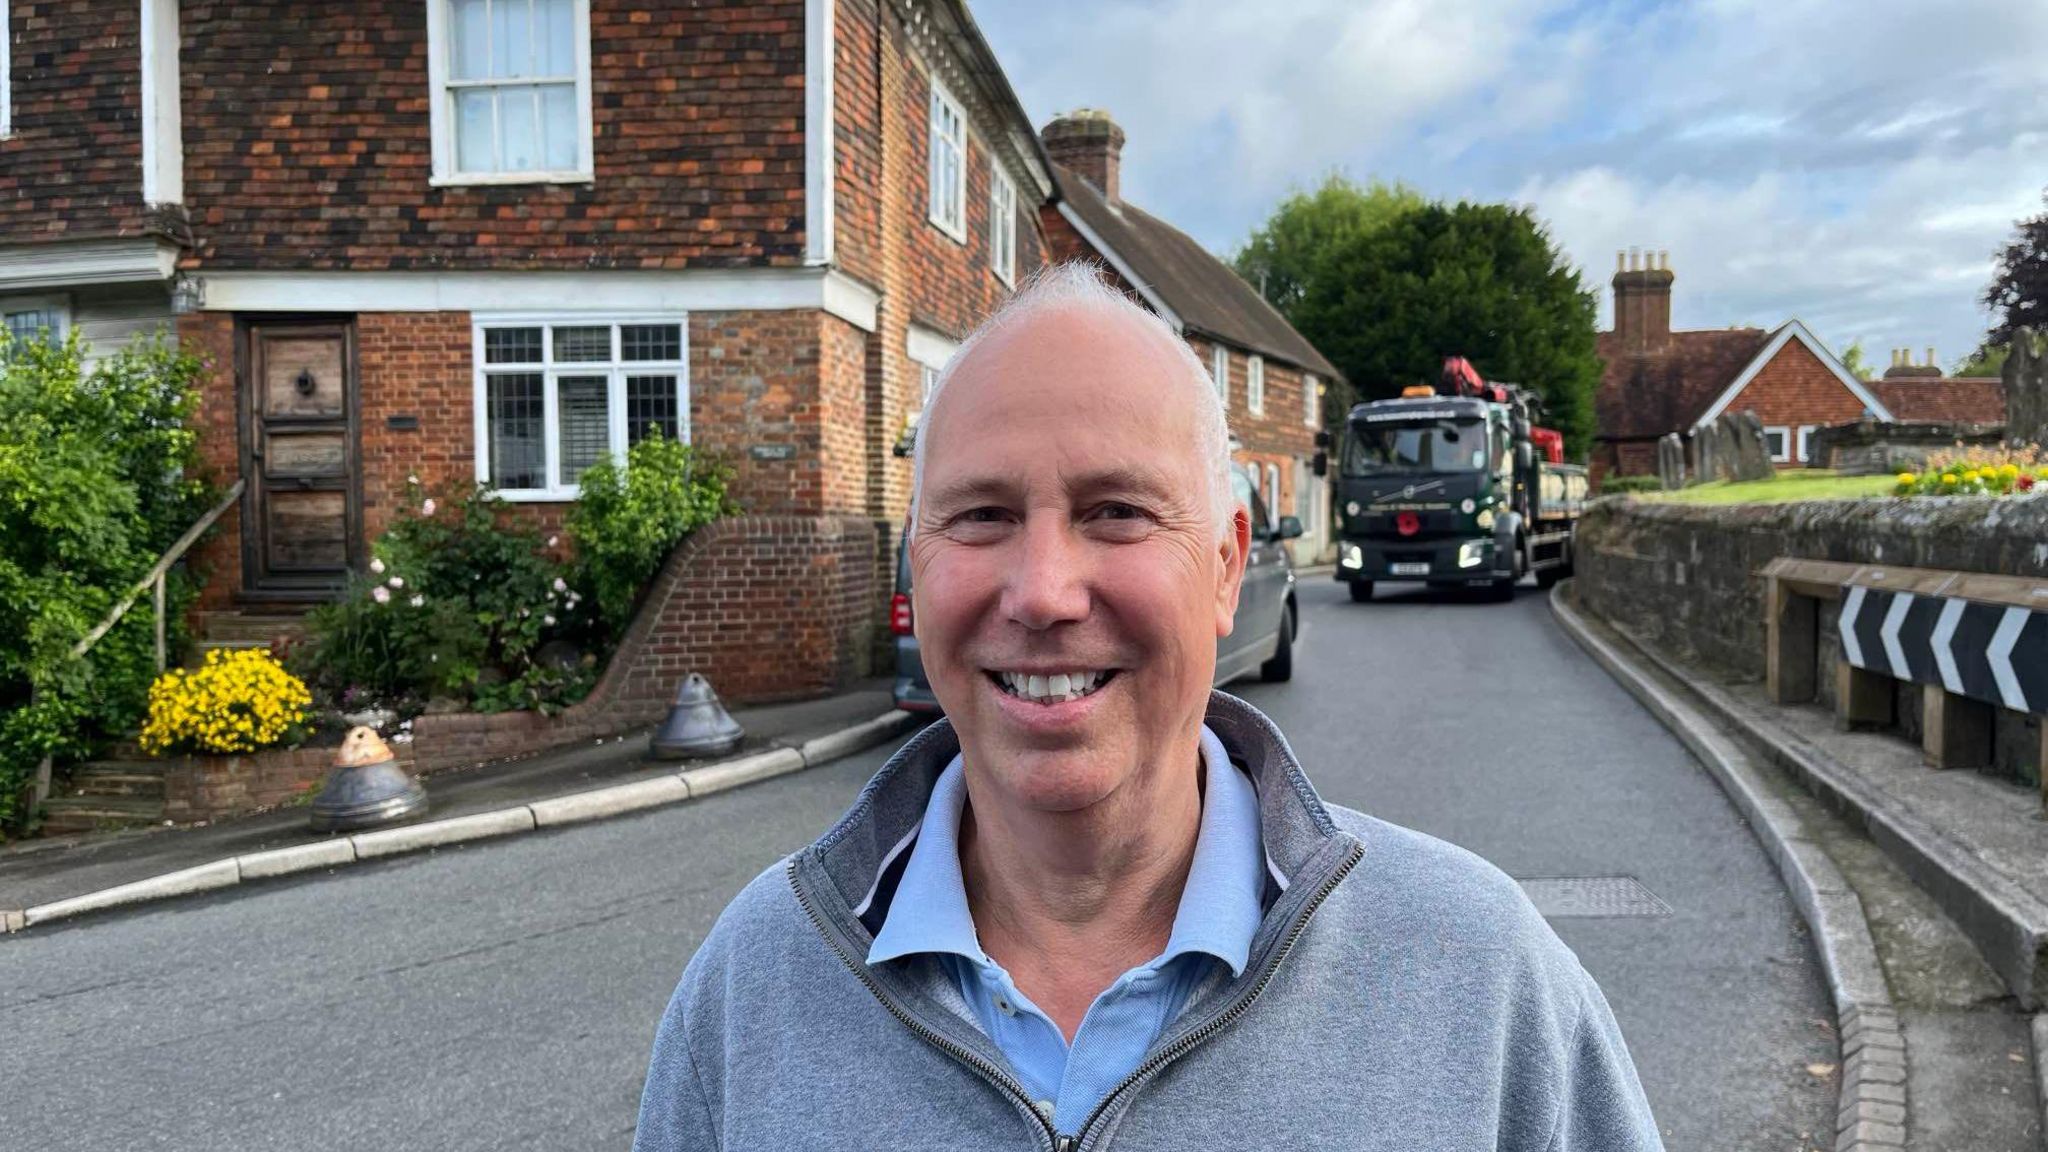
x: 1855, y: 165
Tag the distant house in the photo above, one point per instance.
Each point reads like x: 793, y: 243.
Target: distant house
x: 1270, y: 376
x: 1658, y: 381
x: 1921, y: 394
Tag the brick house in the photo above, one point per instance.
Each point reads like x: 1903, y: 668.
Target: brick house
x: 1657, y: 381
x: 1270, y: 376
x: 487, y: 240
x: 1923, y: 394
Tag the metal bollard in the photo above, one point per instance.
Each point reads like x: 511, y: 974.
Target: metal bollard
x: 366, y: 788
x: 697, y: 726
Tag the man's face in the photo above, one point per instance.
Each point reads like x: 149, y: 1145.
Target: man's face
x: 1067, y: 533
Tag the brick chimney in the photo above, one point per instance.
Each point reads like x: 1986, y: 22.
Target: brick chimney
x: 1903, y: 366
x: 1089, y: 142
x: 1642, y: 300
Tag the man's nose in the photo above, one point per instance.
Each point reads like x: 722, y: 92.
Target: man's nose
x: 1049, y: 584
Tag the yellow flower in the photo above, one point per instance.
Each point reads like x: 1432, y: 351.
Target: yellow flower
x: 1906, y: 477
x: 1948, y: 478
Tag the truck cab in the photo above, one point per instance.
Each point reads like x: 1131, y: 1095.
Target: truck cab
x: 1451, y: 490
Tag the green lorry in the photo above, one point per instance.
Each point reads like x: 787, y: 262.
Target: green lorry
x: 1454, y: 486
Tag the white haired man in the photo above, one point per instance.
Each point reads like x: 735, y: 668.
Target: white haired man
x: 1100, y: 905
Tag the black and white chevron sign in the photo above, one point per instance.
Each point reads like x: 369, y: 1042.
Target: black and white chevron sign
x: 1990, y: 652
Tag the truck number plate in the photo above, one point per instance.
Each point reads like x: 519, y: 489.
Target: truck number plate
x: 1410, y: 568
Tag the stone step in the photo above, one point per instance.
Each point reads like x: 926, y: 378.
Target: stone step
x: 67, y: 814
x: 243, y: 629
x: 118, y: 778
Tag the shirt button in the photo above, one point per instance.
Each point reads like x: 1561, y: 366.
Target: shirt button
x: 1005, y: 1007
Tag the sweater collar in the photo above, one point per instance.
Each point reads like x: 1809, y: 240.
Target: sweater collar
x: 864, y: 855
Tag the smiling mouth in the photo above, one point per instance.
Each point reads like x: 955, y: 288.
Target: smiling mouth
x: 1055, y: 689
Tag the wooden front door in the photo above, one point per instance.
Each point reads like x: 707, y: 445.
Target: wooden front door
x: 299, y: 452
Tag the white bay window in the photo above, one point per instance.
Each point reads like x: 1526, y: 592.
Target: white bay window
x: 511, y: 90
x: 553, y: 395
x: 1002, y: 224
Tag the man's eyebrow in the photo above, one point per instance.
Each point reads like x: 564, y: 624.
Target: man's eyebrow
x: 972, y: 489
x: 1138, y: 479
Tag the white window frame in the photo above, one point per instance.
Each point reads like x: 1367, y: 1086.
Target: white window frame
x: 1311, y: 400
x: 1219, y: 368
x: 1002, y: 224
x: 1784, y: 453
x: 1273, y: 512
x: 60, y: 305
x: 6, y: 72
x: 949, y: 215
x: 1255, y: 385
x: 615, y: 370
x: 1804, y: 454
x: 441, y: 106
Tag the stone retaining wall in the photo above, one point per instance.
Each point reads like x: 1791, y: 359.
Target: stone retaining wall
x: 1686, y: 576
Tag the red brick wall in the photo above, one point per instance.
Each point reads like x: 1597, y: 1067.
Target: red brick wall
x: 925, y: 275
x: 857, y: 141
x: 72, y: 167
x: 217, y: 559
x: 413, y: 364
x: 766, y: 607
x: 1795, y: 388
x: 307, y: 142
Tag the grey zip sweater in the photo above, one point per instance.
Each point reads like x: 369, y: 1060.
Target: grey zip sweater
x: 1401, y: 994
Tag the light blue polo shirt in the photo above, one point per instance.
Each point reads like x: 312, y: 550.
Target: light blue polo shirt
x: 1220, y: 909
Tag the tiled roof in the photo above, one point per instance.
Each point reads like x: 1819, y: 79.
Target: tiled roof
x: 1943, y: 400
x: 1643, y: 396
x: 1208, y: 295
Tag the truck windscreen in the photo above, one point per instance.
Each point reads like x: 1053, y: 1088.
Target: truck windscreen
x: 1439, y: 446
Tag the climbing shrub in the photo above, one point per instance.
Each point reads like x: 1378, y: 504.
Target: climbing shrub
x: 627, y: 520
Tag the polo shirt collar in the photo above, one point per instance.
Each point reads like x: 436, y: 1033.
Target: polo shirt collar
x: 1220, y: 906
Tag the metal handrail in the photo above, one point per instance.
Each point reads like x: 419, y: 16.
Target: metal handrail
x: 155, y: 582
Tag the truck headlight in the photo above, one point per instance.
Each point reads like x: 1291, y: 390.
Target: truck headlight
x: 1354, y: 556
x: 1469, y: 506
x: 1472, y: 553
x: 1485, y: 519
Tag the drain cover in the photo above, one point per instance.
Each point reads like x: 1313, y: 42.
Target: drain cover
x: 1593, y: 896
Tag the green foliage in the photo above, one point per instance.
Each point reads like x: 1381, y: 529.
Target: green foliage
x: 2019, y: 289
x: 98, y: 477
x: 458, y: 603
x: 1852, y: 359
x: 1987, y: 360
x: 1616, y: 485
x: 626, y: 522
x: 1483, y: 281
x: 1285, y: 255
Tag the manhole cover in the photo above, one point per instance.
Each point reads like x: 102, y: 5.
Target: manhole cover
x: 1593, y: 896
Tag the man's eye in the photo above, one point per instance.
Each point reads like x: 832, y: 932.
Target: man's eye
x: 1115, y: 511
x: 983, y: 516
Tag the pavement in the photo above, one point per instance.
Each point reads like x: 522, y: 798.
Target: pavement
x: 1909, y: 879
x: 498, y: 993
x: 43, y: 873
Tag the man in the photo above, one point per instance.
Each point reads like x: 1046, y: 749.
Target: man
x: 1100, y: 905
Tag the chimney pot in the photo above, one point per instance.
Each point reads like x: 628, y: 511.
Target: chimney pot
x: 1642, y: 301
x: 1620, y: 260
x: 1089, y: 142
x: 1930, y: 355
x: 1664, y: 259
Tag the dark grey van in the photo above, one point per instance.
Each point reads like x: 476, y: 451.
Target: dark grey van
x: 1261, y: 642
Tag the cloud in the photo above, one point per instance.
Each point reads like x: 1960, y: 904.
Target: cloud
x: 1857, y: 172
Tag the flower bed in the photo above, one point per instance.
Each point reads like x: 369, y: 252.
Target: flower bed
x: 2007, y: 471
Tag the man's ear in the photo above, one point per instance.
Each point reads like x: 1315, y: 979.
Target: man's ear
x: 1231, y: 552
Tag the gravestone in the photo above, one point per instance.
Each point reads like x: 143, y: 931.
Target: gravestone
x: 2026, y: 388
x: 1752, y: 451
x: 1670, y: 461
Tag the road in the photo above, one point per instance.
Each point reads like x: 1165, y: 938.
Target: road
x: 504, y: 994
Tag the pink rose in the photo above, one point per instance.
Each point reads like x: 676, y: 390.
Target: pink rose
x: 381, y: 594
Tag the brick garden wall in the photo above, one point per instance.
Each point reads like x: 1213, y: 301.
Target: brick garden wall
x: 307, y: 142
x: 72, y: 166
x: 1686, y: 577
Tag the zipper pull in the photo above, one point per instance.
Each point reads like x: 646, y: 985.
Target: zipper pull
x: 1064, y: 1144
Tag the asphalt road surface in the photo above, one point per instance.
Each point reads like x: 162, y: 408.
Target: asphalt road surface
x: 504, y: 994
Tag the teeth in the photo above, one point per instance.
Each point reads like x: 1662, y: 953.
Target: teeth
x: 1057, y: 687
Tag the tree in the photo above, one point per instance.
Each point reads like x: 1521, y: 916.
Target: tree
x: 1483, y: 281
x: 1985, y: 361
x: 1282, y: 257
x: 1852, y: 359
x: 2019, y: 289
